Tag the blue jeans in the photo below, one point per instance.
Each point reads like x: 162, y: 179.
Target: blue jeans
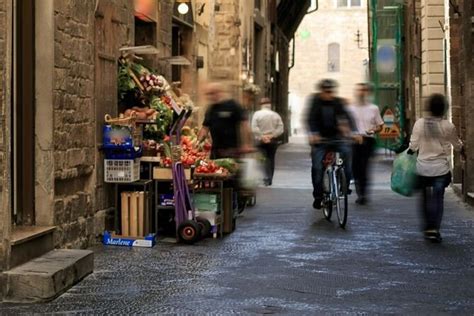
x: 433, y: 199
x: 317, y: 156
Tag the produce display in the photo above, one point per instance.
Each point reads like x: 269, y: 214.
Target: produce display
x: 152, y: 101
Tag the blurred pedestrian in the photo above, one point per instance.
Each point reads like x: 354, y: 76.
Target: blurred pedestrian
x: 432, y: 138
x: 368, y: 122
x: 267, y: 126
x: 227, y: 123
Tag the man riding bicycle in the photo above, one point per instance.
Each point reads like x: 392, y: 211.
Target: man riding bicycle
x: 328, y: 124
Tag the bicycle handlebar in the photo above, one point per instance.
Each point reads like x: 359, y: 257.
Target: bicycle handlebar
x: 326, y: 141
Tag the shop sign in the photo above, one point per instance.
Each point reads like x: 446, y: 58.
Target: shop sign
x: 386, y: 57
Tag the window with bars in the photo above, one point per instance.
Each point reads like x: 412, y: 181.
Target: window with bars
x: 349, y: 3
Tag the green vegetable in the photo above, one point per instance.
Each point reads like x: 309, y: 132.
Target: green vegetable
x: 227, y: 163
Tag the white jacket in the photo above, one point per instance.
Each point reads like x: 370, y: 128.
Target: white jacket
x: 432, y: 138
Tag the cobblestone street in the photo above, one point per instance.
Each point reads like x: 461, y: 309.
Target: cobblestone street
x: 284, y: 258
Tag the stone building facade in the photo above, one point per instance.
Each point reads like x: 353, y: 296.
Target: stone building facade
x: 461, y: 15
x: 327, y: 47
x: 58, y: 79
x: 4, y: 149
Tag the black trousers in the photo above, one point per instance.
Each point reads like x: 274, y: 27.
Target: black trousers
x: 360, y: 164
x: 269, y: 152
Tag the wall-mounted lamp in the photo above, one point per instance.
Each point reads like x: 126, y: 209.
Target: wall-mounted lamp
x: 183, y: 7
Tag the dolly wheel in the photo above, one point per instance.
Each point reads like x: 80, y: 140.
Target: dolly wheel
x: 189, y: 232
x: 252, y: 201
x: 205, y: 226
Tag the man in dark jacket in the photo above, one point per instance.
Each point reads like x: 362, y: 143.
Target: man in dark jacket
x: 327, y: 121
x: 227, y: 123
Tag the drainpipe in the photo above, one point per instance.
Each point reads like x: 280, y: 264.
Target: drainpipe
x: 316, y: 7
x: 293, y: 52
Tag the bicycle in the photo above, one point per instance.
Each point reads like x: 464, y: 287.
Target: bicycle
x: 335, y: 187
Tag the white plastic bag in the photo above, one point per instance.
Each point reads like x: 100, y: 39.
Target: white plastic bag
x: 250, y: 172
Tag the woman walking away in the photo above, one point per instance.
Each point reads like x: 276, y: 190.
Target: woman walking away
x: 432, y: 138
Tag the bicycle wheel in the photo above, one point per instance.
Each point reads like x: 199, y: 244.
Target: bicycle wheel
x: 341, y: 198
x: 327, y: 202
x: 327, y: 209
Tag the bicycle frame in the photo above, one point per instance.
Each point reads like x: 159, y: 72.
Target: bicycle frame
x: 337, y: 164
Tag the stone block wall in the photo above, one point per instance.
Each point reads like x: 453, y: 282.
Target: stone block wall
x: 3, y: 167
x: 164, y: 36
x: 467, y: 84
x: 224, y: 61
x: 462, y: 87
x: 75, y: 147
x: 432, y: 67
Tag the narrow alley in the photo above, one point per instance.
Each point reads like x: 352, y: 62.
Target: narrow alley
x: 285, y: 258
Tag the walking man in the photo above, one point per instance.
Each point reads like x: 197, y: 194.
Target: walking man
x: 267, y: 126
x: 227, y: 123
x: 368, y: 122
x: 328, y: 123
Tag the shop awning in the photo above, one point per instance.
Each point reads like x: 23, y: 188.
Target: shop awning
x: 140, y: 50
x: 177, y: 60
x: 290, y: 14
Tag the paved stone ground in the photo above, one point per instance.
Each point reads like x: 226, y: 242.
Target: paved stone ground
x: 285, y: 259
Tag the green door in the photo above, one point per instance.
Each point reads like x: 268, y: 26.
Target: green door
x: 386, y: 20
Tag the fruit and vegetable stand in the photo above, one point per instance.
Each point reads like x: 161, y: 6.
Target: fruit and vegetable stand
x: 157, y: 166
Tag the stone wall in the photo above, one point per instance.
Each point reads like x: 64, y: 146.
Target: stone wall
x: 432, y: 67
x: 74, y: 136
x: 466, y: 68
x: 412, y: 64
x: 3, y: 167
x: 462, y: 80
x: 225, y: 60
x: 164, y: 36
x: 457, y: 102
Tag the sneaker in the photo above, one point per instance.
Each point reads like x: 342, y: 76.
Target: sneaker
x: 361, y: 201
x: 433, y: 236
x: 317, y: 204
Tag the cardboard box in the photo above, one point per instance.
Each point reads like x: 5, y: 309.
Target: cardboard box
x: 166, y: 174
x: 111, y: 239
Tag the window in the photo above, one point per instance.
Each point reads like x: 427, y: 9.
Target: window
x: 349, y: 3
x: 334, y: 54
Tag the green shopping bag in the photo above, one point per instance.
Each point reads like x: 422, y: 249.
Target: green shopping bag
x: 404, y: 176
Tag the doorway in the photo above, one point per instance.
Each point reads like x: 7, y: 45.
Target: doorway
x: 23, y: 82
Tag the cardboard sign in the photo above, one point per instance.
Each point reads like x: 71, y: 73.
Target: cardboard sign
x: 392, y: 131
x: 390, y: 128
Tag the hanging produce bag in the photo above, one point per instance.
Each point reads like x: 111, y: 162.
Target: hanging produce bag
x: 404, y: 176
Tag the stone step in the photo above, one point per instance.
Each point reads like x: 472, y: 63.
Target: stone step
x: 29, y: 242
x: 46, y: 277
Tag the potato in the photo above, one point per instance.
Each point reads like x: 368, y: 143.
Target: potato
x: 141, y: 116
x: 150, y: 112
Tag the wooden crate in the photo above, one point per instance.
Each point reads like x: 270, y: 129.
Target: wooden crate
x: 135, y: 214
x: 166, y: 173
